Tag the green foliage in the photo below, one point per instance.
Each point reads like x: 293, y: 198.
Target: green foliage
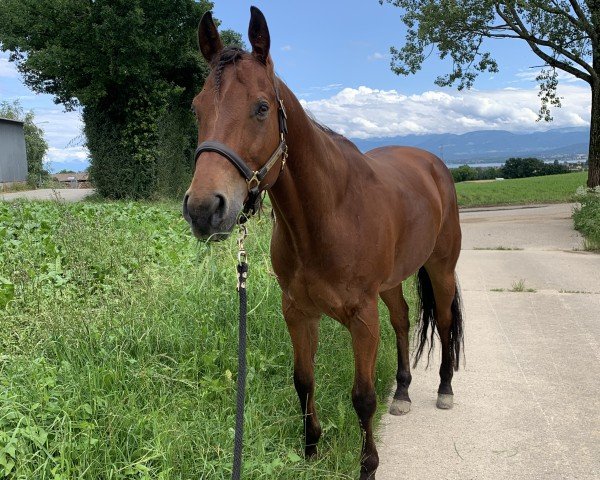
x: 530, y: 167
x: 563, y: 34
x: 513, y: 168
x: 464, y: 173
x: 586, y: 216
x: 128, y: 63
x: 118, y: 334
x: 522, y: 168
x: 554, y: 31
x: 488, y: 173
x: 35, y: 144
x: 520, y: 191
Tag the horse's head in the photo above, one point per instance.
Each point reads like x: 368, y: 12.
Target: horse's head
x: 237, y: 109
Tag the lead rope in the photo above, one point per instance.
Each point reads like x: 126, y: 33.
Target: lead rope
x: 242, y: 270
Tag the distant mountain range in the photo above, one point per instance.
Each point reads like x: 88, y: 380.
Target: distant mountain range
x: 485, y: 146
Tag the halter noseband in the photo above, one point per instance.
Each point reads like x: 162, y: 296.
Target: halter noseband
x: 253, y: 177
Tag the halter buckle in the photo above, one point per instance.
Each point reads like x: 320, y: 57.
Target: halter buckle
x: 284, y: 157
x: 254, y: 182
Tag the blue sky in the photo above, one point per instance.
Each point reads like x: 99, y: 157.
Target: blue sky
x: 335, y: 56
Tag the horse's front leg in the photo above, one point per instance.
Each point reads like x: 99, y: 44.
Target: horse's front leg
x: 363, y: 323
x: 304, y: 332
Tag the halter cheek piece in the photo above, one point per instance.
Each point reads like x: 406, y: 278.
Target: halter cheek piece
x: 253, y: 178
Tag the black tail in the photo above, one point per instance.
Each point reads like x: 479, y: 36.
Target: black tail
x: 427, y: 321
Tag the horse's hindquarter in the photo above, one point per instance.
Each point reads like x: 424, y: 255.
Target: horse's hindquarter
x: 422, y: 207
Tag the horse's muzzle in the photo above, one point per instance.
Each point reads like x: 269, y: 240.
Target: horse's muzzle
x: 209, y: 218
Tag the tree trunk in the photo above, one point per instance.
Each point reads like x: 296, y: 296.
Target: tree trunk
x: 594, y: 152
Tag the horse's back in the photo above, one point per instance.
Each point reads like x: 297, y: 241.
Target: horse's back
x: 415, y: 170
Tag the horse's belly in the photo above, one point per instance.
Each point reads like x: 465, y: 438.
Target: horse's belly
x: 403, y: 268
x: 411, y: 252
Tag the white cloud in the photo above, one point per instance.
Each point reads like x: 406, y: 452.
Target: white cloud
x: 286, y: 48
x: 64, y: 133
x: 530, y: 75
x: 61, y: 129
x: 364, y: 112
x: 331, y: 86
x: 377, y: 56
x: 57, y: 156
x: 7, y: 69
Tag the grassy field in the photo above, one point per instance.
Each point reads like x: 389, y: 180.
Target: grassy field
x: 118, y: 344
x: 521, y: 191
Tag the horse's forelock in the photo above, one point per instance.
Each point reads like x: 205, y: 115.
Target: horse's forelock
x: 229, y: 55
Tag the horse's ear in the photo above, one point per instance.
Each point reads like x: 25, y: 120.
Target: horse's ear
x: 258, y: 33
x: 209, y: 38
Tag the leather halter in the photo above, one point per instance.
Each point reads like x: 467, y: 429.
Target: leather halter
x: 252, y: 177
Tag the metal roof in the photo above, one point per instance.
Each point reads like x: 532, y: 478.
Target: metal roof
x: 10, y: 120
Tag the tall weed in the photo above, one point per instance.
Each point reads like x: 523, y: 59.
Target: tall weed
x: 118, y: 337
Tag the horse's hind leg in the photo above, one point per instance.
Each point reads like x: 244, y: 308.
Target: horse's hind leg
x: 448, y: 320
x: 304, y: 332
x: 394, y: 300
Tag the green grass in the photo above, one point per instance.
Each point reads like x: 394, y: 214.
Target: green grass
x: 586, y: 217
x: 14, y: 187
x: 118, y: 353
x: 519, y: 286
x: 521, y: 191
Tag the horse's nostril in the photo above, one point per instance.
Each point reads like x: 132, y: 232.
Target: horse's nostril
x: 186, y: 213
x: 222, y: 203
x: 220, y: 210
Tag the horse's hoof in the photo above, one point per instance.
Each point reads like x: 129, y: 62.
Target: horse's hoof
x: 367, y: 476
x: 310, y: 452
x: 399, y: 407
x: 445, y: 401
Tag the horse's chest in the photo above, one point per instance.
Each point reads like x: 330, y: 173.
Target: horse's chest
x: 312, y: 290
x: 312, y: 284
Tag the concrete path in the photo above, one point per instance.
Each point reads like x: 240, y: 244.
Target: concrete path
x: 527, y: 405
x: 65, y: 194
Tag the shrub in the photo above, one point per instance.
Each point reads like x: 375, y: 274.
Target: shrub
x: 466, y: 173
x: 586, y: 217
x: 463, y: 173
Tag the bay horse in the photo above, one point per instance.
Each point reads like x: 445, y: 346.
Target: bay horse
x: 349, y: 227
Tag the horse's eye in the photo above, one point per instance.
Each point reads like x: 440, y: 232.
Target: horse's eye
x: 262, y: 109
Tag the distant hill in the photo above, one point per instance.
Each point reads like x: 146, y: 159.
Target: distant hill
x: 492, y: 145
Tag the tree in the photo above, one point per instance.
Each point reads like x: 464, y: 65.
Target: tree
x: 523, y: 168
x: 464, y: 173
x: 131, y: 64
x: 35, y: 144
x: 565, y: 34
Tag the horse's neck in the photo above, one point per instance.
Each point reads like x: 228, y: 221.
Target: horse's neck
x: 317, y: 171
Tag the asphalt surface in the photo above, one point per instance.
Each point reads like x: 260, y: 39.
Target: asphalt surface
x: 527, y: 404
x: 64, y: 194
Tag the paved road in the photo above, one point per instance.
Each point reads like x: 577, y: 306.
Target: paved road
x: 66, y: 194
x: 527, y: 405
